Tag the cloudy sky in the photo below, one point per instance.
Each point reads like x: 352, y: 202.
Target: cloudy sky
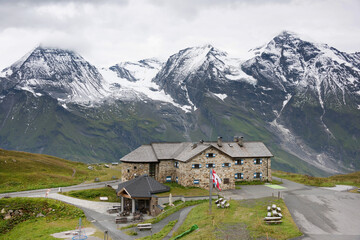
x: 109, y: 31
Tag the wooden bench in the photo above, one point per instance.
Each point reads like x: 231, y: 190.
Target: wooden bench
x: 112, y: 210
x: 273, y: 222
x: 121, y: 220
x: 270, y: 220
x: 144, y: 226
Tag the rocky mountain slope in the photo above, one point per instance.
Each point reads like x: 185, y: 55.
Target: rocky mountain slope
x: 301, y: 98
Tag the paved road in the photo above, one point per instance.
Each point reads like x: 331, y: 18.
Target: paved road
x: 41, y: 192
x: 320, y: 213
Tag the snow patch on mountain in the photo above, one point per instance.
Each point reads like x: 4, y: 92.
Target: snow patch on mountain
x: 143, y: 70
x: 221, y: 96
x: 141, y: 89
x: 233, y: 67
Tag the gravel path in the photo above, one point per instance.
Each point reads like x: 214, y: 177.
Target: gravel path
x: 181, y: 220
x: 157, y: 227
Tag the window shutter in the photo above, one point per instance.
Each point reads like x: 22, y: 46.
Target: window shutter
x: 229, y: 164
x: 223, y: 164
x: 241, y: 161
x: 193, y: 166
x: 207, y: 165
x: 199, y: 165
x: 260, y: 161
x: 213, y: 165
x: 254, y: 175
x: 260, y: 175
x: 214, y: 154
x: 207, y: 155
x: 241, y: 175
x: 254, y: 161
x: 236, y: 176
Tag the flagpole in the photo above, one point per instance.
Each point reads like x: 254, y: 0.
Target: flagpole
x: 210, y: 190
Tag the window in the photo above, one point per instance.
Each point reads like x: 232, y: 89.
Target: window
x: 196, y: 181
x: 226, y: 164
x: 168, y: 179
x: 128, y: 170
x: 239, y: 176
x: 210, y: 155
x: 176, y: 164
x: 258, y: 175
x: 152, y: 170
x: 239, y: 161
x: 196, y: 165
x: 226, y: 181
x: 257, y: 161
x: 210, y: 165
x: 134, y: 167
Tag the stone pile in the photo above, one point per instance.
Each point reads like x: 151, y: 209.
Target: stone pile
x: 273, y: 215
x: 9, y: 214
x: 222, y: 203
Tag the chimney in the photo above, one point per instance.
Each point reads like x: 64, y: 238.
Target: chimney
x: 241, y: 141
x: 194, y: 145
x: 219, y: 141
x: 236, y: 139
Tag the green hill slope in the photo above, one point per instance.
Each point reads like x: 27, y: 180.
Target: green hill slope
x: 25, y: 171
x: 351, y: 179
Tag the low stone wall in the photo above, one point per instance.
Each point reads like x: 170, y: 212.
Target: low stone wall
x: 164, y: 200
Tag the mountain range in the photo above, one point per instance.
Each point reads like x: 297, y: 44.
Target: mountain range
x: 302, y: 99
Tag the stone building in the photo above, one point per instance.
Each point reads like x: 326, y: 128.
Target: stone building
x: 189, y: 163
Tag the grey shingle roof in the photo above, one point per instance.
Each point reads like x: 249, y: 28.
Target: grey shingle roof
x: 249, y: 149
x: 168, y: 150
x: 144, y: 153
x: 185, y: 151
x: 142, y: 187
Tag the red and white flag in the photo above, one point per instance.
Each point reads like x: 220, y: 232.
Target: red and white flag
x: 216, y: 179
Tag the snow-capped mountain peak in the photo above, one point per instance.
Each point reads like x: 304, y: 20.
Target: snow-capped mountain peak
x: 63, y: 74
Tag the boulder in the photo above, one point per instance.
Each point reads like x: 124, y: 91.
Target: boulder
x: 40, y: 215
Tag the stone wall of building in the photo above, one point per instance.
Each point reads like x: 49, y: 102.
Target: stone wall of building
x: 166, y: 169
x: 130, y: 170
x: 187, y: 174
x: 248, y: 168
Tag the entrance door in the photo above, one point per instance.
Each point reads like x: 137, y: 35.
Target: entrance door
x: 152, y: 169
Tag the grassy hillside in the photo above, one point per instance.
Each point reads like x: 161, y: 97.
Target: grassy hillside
x: 25, y: 223
x: 25, y: 171
x: 352, y: 179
